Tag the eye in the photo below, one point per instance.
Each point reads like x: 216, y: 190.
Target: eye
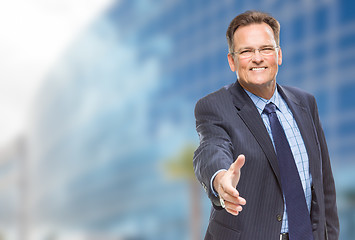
x: 267, y: 50
x: 246, y: 52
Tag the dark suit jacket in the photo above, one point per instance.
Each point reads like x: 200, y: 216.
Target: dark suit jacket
x: 229, y: 124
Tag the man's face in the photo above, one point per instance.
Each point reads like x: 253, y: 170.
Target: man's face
x: 257, y: 74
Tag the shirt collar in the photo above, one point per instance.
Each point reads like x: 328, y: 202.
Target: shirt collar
x: 260, y: 102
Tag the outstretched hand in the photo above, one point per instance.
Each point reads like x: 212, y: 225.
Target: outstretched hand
x: 225, y: 184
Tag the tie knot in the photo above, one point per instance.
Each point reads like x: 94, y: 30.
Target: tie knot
x: 270, y: 108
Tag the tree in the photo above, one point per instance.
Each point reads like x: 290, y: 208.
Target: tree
x: 180, y: 166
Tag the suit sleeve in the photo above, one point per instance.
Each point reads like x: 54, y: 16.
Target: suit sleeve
x: 215, y: 151
x: 331, y: 214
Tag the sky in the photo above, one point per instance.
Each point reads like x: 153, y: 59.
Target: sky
x: 34, y: 34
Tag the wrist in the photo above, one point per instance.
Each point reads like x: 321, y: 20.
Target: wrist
x: 217, y: 180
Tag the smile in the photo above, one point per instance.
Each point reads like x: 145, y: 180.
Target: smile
x: 258, y: 68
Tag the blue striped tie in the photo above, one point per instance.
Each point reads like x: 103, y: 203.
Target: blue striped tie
x: 299, y: 222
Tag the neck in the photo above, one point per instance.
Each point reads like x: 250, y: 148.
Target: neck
x: 265, y: 91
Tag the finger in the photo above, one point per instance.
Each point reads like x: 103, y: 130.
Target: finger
x: 230, y: 198
x: 235, y: 213
x: 233, y: 200
x: 229, y: 191
x: 233, y: 209
x: 242, y: 201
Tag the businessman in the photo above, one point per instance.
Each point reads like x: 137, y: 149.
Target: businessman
x: 263, y: 158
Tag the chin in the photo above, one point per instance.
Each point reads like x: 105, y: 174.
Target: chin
x: 261, y: 82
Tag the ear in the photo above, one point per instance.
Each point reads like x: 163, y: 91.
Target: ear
x: 231, y: 62
x: 279, y: 59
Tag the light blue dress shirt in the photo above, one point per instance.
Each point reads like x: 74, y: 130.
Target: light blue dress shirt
x: 295, y: 140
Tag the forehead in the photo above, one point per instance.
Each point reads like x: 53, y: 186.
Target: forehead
x: 254, y: 35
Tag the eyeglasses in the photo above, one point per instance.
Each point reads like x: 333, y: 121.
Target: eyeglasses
x: 249, y: 52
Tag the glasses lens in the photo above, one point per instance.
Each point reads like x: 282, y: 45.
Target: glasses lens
x: 267, y: 51
x: 246, y: 53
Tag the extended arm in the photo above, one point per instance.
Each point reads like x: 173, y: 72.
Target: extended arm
x: 215, y: 153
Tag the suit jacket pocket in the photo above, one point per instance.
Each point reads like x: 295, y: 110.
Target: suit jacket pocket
x: 219, y: 231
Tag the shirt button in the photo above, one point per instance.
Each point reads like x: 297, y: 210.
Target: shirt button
x: 279, y: 217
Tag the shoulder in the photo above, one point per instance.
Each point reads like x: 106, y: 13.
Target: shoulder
x: 300, y: 97
x: 219, y: 94
x: 297, y: 94
x: 215, y: 102
x: 216, y: 98
x: 296, y: 91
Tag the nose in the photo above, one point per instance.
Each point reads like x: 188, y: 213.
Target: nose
x: 257, y: 57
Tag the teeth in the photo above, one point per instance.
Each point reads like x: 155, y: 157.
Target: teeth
x: 256, y: 69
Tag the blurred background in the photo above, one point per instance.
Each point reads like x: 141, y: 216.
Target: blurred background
x: 97, y: 97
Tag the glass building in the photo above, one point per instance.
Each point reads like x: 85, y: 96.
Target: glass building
x: 117, y: 109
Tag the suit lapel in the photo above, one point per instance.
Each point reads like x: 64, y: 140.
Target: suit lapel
x: 252, y: 119
x: 305, y: 125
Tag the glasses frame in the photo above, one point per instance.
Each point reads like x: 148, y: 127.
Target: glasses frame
x: 253, y: 50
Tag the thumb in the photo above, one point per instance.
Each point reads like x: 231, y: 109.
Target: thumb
x: 238, y: 164
x: 235, y: 169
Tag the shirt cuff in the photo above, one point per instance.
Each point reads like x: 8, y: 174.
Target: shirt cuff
x: 211, y: 183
